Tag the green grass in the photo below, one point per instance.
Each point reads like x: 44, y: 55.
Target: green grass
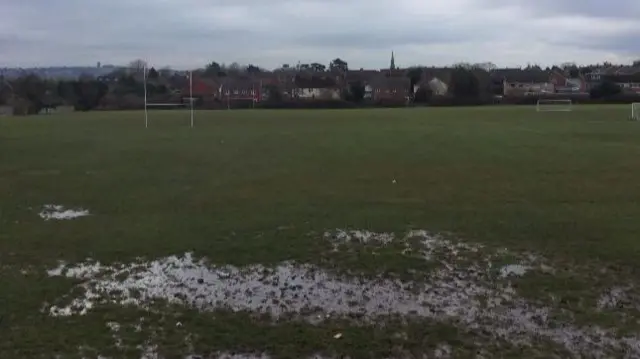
x: 246, y: 187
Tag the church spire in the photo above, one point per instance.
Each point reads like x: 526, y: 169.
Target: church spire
x: 392, y: 66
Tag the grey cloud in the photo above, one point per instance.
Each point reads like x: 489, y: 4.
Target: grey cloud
x: 624, y: 44
x: 558, y: 8
x: 187, y: 33
x: 378, y: 40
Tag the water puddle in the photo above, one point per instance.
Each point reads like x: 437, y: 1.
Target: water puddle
x: 58, y: 212
x: 619, y: 298
x: 516, y: 270
x: 463, y: 293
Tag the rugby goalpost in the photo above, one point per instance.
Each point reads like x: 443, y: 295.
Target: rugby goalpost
x: 554, y: 106
x: 174, y: 105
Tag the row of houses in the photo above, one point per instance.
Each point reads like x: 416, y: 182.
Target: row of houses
x: 396, y: 85
x: 378, y: 86
x: 517, y: 82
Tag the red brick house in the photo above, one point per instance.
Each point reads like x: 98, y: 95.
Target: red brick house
x: 204, y: 91
x: 394, y: 89
x: 361, y: 75
x: 240, y: 88
x: 200, y: 87
x: 565, y: 84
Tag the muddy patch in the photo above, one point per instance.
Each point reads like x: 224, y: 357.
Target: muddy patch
x: 470, y: 287
x: 58, y: 212
x: 516, y: 270
x: 619, y: 298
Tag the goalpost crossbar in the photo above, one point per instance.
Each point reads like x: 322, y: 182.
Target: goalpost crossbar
x: 554, y: 105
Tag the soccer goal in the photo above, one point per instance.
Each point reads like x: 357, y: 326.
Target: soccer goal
x: 554, y: 105
x: 188, y: 105
x: 635, y: 111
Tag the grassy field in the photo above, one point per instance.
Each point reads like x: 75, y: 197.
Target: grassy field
x: 557, y: 194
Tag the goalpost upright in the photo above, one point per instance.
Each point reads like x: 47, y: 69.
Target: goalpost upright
x: 147, y: 103
x: 635, y: 111
x: 191, y: 96
x: 144, y: 81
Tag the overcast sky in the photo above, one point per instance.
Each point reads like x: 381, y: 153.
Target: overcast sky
x: 190, y: 33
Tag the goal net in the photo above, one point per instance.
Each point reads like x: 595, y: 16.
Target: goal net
x: 554, y: 105
x: 635, y: 111
x: 186, y: 104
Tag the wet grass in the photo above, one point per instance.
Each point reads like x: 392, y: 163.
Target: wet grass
x: 248, y: 187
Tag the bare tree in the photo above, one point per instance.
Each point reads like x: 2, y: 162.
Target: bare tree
x: 212, y: 69
x: 317, y: 67
x: 137, y: 66
x: 252, y: 69
x: 464, y: 65
x: 285, y: 68
x: 534, y: 67
x: 339, y: 65
x: 487, y: 66
x: 235, y: 67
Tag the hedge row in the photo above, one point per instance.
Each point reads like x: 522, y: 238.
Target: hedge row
x: 444, y: 101
x: 439, y: 101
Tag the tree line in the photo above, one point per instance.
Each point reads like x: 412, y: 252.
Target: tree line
x: 125, y: 89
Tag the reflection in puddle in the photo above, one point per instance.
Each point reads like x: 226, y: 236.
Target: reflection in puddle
x: 517, y: 270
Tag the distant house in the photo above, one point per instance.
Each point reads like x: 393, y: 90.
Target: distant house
x: 316, y: 87
x: 390, y: 88
x: 624, y: 76
x: 435, y: 80
x: 568, y: 85
x: 109, y: 78
x: 629, y: 83
x: 627, y: 70
x: 594, y: 77
x: 206, y: 89
x: 368, y: 91
x: 437, y: 86
x: 240, y: 88
x: 361, y: 75
x: 394, y: 72
x: 364, y: 77
x: 268, y: 82
x: 523, y: 82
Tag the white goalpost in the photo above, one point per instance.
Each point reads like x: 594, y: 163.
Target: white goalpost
x: 635, y: 111
x: 554, y: 105
x: 147, y: 104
